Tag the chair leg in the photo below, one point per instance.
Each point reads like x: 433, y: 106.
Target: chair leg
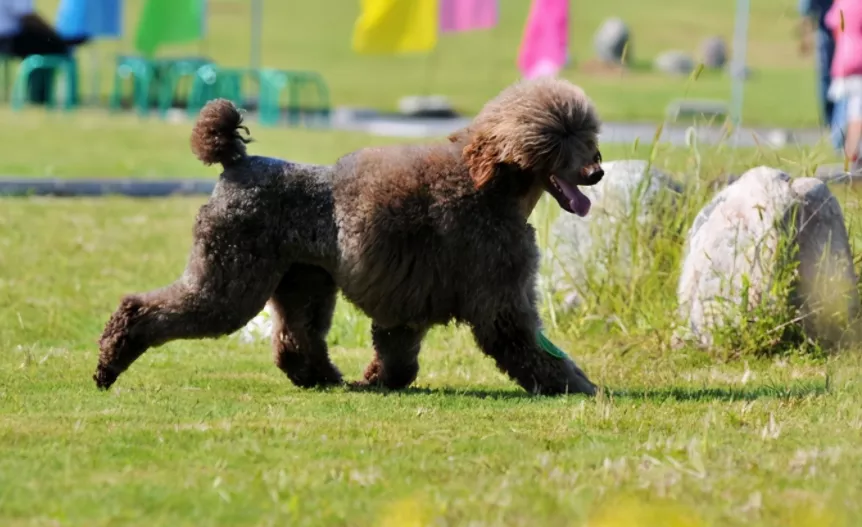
x: 19, y: 87
x: 6, y: 78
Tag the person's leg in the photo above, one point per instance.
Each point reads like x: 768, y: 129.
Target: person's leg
x: 825, y: 50
x: 838, y: 125
x: 854, y: 128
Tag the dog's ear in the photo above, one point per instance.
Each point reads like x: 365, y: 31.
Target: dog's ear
x: 482, y: 155
x: 458, y: 135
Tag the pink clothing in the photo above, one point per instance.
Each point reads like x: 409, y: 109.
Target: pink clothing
x: 546, y: 39
x: 467, y: 15
x: 847, y: 60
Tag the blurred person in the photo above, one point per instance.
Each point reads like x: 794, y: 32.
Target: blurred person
x: 813, y: 14
x: 844, y: 19
x: 24, y: 33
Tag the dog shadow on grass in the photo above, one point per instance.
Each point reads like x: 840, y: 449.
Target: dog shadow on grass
x: 663, y: 393
x: 729, y: 394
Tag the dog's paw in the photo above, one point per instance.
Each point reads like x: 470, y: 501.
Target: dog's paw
x: 578, y: 382
x: 104, y: 377
x: 361, y: 385
x: 309, y: 378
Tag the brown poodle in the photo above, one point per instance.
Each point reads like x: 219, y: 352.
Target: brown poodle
x: 412, y: 235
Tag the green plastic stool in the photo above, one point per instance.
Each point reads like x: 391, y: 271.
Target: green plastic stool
x: 273, y: 82
x: 63, y: 63
x: 172, y: 72
x: 141, y: 72
x: 212, y: 82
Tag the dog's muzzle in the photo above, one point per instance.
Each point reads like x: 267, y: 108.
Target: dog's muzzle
x: 593, y: 173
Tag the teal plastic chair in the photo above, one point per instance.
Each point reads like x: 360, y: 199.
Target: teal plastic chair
x: 172, y: 72
x: 212, y: 82
x: 140, y: 72
x: 297, y: 83
x: 59, y: 63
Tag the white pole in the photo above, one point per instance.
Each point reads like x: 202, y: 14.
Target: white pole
x: 256, y: 33
x: 737, y: 65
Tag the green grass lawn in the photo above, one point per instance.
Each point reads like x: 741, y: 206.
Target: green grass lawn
x: 211, y: 433
x: 470, y: 68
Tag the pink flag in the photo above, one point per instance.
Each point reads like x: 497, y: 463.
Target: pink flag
x: 546, y: 39
x: 467, y: 15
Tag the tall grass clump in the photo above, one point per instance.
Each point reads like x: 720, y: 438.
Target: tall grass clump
x: 627, y: 284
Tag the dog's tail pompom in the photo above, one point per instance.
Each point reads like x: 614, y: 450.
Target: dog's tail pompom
x: 216, y: 136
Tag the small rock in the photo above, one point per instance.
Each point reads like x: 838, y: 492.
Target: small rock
x: 713, y: 52
x: 426, y: 106
x: 830, y: 172
x: 259, y: 328
x: 778, y: 138
x: 674, y: 63
x: 736, y: 72
x: 702, y: 109
x: 733, y: 251
x: 611, y: 39
x: 176, y: 116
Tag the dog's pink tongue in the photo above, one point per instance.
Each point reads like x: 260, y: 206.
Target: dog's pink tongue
x: 578, y: 201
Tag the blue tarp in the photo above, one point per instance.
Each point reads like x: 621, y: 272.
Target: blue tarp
x: 91, y: 18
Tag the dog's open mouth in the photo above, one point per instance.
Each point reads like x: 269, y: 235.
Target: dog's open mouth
x: 569, y: 196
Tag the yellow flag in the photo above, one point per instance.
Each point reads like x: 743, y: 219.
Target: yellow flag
x: 396, y: 26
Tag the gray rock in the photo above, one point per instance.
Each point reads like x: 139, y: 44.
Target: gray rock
x: 834, y: 173
x: 713, y: 52
x: 674, y: 63
x: 426, y: 106
x: 691, y: 108
x: 778, y: 138
x: 736, y: 71
x: 585, y: 252
x: 734, y: 247
x: 611, y: 39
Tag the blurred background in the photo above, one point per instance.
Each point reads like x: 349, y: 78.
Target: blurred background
x: 469, y: 67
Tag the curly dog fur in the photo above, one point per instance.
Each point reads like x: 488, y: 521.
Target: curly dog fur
x: 413, y: 235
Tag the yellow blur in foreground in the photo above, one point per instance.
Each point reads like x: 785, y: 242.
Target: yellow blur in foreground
x: 406, y: 513
x: 627, y: 512
x: 637, y: 513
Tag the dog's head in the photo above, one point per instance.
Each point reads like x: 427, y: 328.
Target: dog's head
x: 547, y: 129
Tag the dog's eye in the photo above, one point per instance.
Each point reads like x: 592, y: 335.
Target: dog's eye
x: 598, y: 157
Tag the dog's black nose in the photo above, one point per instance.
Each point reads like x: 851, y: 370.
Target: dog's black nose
x: 596, y: 176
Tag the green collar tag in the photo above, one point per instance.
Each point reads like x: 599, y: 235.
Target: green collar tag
x: 549, y: 347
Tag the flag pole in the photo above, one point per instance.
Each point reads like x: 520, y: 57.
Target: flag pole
x: 737, y: 65
x: 256, y: 34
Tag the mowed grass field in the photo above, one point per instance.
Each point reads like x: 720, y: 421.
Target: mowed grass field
x: 211, y: 433
x: 472, y: 67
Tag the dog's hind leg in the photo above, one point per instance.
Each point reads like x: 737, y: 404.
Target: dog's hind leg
x: 217, y: 295
x: 509, y: 335
x: 303, y: 305
x: 396, y: 357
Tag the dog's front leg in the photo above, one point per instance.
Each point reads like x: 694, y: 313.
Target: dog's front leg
x: 512, y: 338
